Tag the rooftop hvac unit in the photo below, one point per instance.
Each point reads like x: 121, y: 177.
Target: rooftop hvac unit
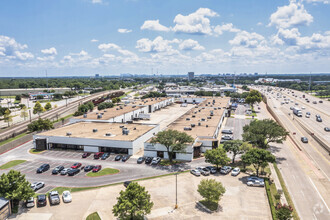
x: 193, y: 116
x: 105, y: 111
x: 207, y: 126
x: 121, y: 107
x: 133, y: 106
x: 125, y: 131
x: 117, y: 108
x: 102, y: 113
x: 107, y: 134
x: 121, y: 126
x: 68, y: 133
x: 134, y: 128
x: 199, y: 124
x: 206, y: 105
x: 99, y: 116
x: 85, y: 115
x: 192, y: 125
x: 187, y: 128
x: 219, y: 107
x: 215, y: 108
x: 187, y: 119
x: 196, y: 106
x: 209, y: 117
x: 203, y: 119
x: 96, y: 113
x: 94, y: 130
x: 209, y: 102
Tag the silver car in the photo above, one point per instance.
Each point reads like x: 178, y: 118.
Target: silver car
x: 29, y: 203
x: 225, y: 169
x: 235, y: 171
x: 195, y: 172
x: 37, y: 185
x: 256, y: 183
x: 65, y: 171
x: 204, y: 171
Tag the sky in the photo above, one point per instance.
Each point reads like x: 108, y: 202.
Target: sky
x: 111, y: 37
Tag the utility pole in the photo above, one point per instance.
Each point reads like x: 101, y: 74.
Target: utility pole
x: 176, y: 190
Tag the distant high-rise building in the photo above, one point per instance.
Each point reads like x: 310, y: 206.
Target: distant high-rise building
x: 190, y: 75
x: 256, y: 74
x: 97, y: 75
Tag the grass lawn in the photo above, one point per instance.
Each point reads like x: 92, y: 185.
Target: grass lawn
x: 34, y: 151
x: 250, y: 168
x: 210, y: 205
x: 167, y: 162
x: 103, y: 172
x: 93, y: 216
x: 13, y: 138
x: 65, y: 117
x: 11, y: 164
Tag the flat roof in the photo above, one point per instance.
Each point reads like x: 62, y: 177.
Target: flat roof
x: 149, y: 101
x: 3, y: 202
x: 85, y: 130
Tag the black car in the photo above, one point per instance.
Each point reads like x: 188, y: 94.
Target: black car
x: 57, y: 169
x: 105, y: 156
x: 148, y: 160
x: 118, y: 157
x: 73, y: 172
x: 125, y: 158
x: 141, y: 159
x: 43, y: 168
x: 319, y: 119
x: 126, y: 183
x: 88, y: 168
x: 327, y: 129
x: 304, y: 139
x: 41, y: 200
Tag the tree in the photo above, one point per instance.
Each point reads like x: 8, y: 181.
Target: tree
x: 253, y: 97
x: 211, y: 190
x: 173, y: 140
x: 217, y: 157
x: 245, y: 87
x: 24, y: 112
x: 262, y: 132
x: 15, y: 187
x: 40, y: 125
x: 133, y: 203
x: 90, y: 106
x: 233, y: 146
x: 115, y: 100
x: 48, y: 106
x: 257, y: 157
x: 7, y: 117
x: 284, y: 213
x: 105, y: 105
x: 37, y: 109
x: 18, y: 97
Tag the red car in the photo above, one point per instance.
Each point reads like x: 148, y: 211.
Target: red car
x: 98, y: 155
x: 85, y: 155
x: 76, y: 165
x: 97, y: 168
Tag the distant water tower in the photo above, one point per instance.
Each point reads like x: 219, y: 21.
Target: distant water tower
x: 190, y: 75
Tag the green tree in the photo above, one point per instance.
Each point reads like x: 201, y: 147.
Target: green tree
x: 83, y: 108
x: 48, y: 106
x: 115, y: 100
x: 40, y: 125
x: 7, y: 117
x: 253, y: 97
x: 173, y: 140
x: 211, y: 190
x: 245, y: 87
x: 217, y: 157
x: 233, y: 146
x: 37, y: 109
x: 24, y: 112
x: 90, y: 106
x: 284, y: 213
x: 257, y: 157
x: 15, y: 187
x: 18, y: 97
x: 133, y: 203
x: 262, y: 132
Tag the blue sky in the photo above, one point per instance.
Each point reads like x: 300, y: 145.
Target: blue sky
x: 85, y: 37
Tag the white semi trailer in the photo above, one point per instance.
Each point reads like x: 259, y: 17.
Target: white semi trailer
x: 297, y: 111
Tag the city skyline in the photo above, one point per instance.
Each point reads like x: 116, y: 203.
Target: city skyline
x: 87, y: 37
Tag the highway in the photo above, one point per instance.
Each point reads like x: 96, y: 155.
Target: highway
x: 305, y: 167
x: 21, y: 127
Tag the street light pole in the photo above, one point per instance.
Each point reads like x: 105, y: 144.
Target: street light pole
x: 176, y: 190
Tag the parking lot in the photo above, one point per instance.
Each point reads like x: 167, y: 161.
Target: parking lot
x: 239, y: 201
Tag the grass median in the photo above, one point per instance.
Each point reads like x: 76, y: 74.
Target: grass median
x: 13, y: 138
x: 11, y: 164
x: 93, y: 216
x: 35, y: 151
x: 103, y: 172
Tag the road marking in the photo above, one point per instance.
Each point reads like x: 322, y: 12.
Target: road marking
x: 302, y: 193
x: 319, y: 194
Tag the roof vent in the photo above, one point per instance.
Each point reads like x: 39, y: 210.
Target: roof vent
x: 121, y: 126
x: 193, y: 116
x: 192, y: 125
x: 99, y: 116
x: 105, y: 110
x: 207, y: 126
x: 133, y: 106
x: 209, y: 117
x: 187, y: 119
x: 94, y: 130
x: 117, y: 108
x: 134, y: 128
x: 68, y: 133
x: 107, y: 134
x: 199, y: 124
x: 85, y: 115
x: 187, y: 128
x: 203, y: 119
x: 121, y: 107
x: 125, y: 131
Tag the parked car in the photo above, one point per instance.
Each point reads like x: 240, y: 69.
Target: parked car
x: 125, y: 158
x: 291, y: 108
x: 140, y: 160
x: 227, y: 131
x: 327, y: 129
x: 314, y: 102
x: 195, y: 172
x: 86, y: 154
x: 57, y: 169
x: 73, y: 172
x: 118, y: 157
x: 204, y: 171
x: 320, y: 101
x: 256, y: 183
x: 37, y: 185
x: 304, y: 139
x: 54, y: 198
x: 212, y: 169
x: 227, y: 137
x: 66, y: 196
x: 225, y: 169
x: 76, y: 165
x: 98, y: 155
x: 88, y: 168
x: 126, y: 183
x: 29, y: 203
x: 41, y: 200
x: 252, y: 178
x: 43, y: 168
x: 65, y: 171
x: 105, y: 156
x: 148, y: 160
x: 155, y: 160
x: 235, y: 171
x: 302, y: 107
x: 319, y: 119
x: 97, y: 168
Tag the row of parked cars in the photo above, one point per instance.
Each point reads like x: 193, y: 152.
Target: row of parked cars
x: 54, y: 199
x: 149, y: 160
x: 104, y: 156
x: 73, y: 170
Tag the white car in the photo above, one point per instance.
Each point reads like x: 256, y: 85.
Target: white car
x: 308, y: 116
x: 253, y: 178
x: 235, y: 171
x: 66, y: 196
x: 37, y: 185
x: 195, y: 172
x: 302, y: 107
x: 256, y: 183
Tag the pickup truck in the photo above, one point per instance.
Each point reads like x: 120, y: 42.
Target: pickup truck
x: 54, y: 198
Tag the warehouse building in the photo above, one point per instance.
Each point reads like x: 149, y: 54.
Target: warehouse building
x: 97, y: 137
x: 202, y: 123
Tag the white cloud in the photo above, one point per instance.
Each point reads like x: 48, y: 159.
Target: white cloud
x: 124, y: 31
x: 110, y: 46
x: 154, y: 25
x: 76, y: 58
x: 290, y: 15
x: 259, y: 23
x: 247, y: 39
x: 219, y: 29
x: 11, y: 50
x: 97, y: 1
x: 318, y: 1
x: 158, y: 45
x: 49, y: 52
x: 286, y: 36
x: 94, y: 40
x: 190, y: 44
x: 194, y: 23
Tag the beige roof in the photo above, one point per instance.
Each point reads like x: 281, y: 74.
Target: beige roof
x: 148, y: 101
x: 85, y: 130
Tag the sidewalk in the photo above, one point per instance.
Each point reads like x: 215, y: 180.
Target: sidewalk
x: 277, y: 183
